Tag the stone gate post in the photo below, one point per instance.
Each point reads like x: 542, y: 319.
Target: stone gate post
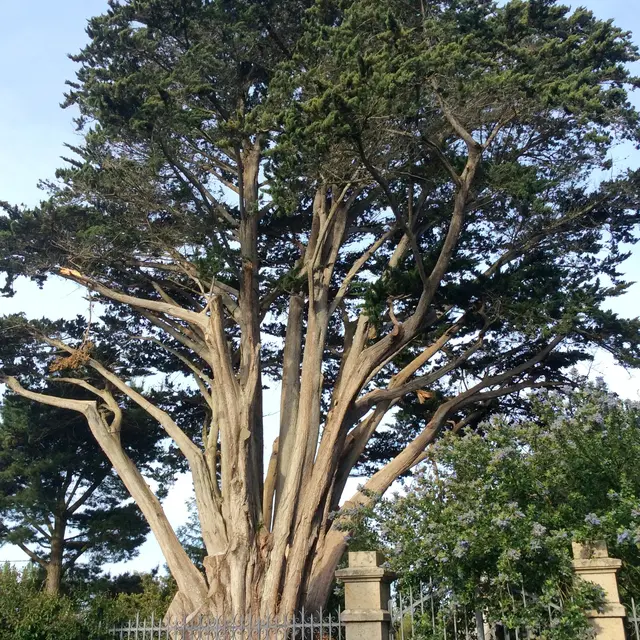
x: 366, y: 594
x: 593, y: 564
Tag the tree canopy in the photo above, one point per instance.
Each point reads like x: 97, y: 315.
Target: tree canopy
x: 359, y: 203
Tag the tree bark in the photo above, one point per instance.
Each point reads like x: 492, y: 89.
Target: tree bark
x: 55, y: 562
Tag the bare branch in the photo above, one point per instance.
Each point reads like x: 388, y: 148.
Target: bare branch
x: 173, y: 430
x: 37, y: 559
x: 502, y: 122
x: 455, y: 123
x: 453, y: 174
x: 76, y: 556
x: 101, y: 393
x: 270, y: 487
x: 82, y: 406
x: 192, y: 342
x: 200, y: 377
x: 397, y: 390
x: 209, y: 200
x: 355, y: 268
x: 150, y: 305
x: 72, y: 508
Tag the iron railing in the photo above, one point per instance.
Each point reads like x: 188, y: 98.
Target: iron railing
x: 633, y: 620
x: 431, y: 613
x: 303, y: 626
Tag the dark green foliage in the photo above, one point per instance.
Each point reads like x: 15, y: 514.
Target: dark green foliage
x: 56, y: 483
x: 158, y: 89
x: 540, y: 248
x: 27, y: 613
x: 109, y: 602
x: 333, y: 84
x: 87, y: 613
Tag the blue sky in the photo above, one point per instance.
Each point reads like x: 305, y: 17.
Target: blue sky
x: 35, y: 38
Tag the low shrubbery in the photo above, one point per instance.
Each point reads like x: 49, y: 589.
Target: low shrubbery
x: 29, y: 613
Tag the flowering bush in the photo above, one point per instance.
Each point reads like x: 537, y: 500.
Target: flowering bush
x: 491, y: 514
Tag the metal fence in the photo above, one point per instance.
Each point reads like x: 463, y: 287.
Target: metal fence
x: 427, y: 612
x: 633, y: 621
x: 432, y: 613
x: 303, y: 626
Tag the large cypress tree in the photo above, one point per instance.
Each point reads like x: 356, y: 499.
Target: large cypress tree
x: 367, y: 201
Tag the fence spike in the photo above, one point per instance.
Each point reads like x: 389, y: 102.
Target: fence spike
x: 293, y: 633
x: 401, y: 615
x: 433, y: 610
x: 411, y: 610
x: 466, y: 622
x: 479, y: 624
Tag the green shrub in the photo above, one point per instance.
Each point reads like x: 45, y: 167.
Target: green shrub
x: 28, y: 613
x: 151, y: 596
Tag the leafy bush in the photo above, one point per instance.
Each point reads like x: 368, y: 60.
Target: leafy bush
x: 27, y: 613
x: 495, y: 511
x: 145, y: 595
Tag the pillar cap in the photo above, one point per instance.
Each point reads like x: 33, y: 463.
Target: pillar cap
x: 611, y: 610
x: 366, y: 559
x: 365, y: 566
x: 589, y: 550
x: 597, y: 565
x: 365, y: 574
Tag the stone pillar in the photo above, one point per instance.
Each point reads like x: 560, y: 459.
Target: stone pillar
x: 593, y: 564
x: 366, y: 595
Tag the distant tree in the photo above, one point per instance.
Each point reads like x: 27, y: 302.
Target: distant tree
x: 494, y: 511
x: 367, y: 201
x: 60, y: 499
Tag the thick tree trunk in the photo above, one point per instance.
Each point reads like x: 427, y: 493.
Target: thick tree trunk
x: 55, y: 565
x: 54, y: 575
x: 237, y: 584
